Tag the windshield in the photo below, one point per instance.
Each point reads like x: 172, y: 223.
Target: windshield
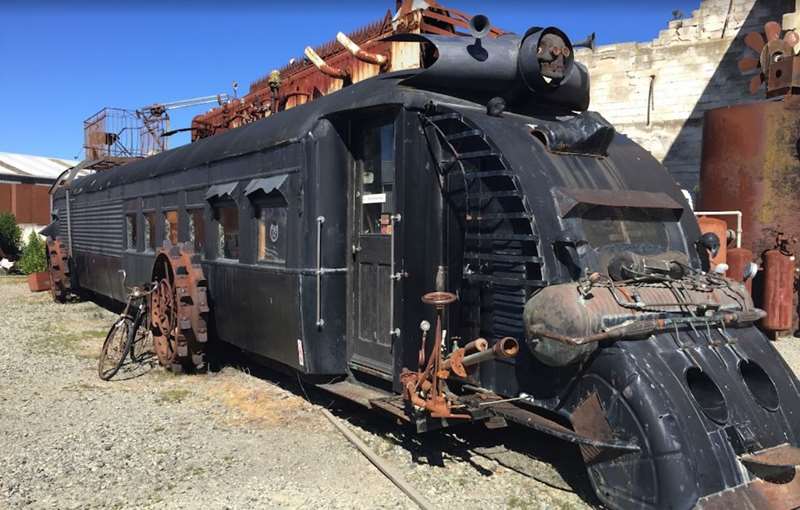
x: 605, y: 225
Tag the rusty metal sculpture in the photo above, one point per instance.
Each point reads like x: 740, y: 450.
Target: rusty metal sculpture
x: 178, y: 309
x: 58, y: 269
x: 776, y: 63
x: 426, y: 388
x: 349, y: 58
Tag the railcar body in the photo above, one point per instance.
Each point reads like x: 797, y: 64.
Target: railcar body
x: 318, y: 229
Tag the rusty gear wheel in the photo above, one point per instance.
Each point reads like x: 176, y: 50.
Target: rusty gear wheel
x: 179, y: 309
x: 58, y: 270
x: 771, y: 49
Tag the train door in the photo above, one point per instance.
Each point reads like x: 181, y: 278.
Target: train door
x: 373, y: 222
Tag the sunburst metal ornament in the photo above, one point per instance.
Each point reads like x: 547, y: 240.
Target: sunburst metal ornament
x: 771, y: 50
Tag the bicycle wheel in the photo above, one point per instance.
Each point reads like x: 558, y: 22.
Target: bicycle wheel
x: 115, y: 348
x: 141, y: 337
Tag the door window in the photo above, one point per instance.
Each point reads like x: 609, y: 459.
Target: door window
x: 376, y: 178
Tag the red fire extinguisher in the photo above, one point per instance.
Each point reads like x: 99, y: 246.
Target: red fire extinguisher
x: 779, y: 275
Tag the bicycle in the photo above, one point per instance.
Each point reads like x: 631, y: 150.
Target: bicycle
x: 121, y: 340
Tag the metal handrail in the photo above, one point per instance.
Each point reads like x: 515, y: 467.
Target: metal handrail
x: 394, y: 277
x: 320, y: 320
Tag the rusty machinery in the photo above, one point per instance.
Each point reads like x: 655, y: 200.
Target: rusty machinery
x: 750, y: 164
x: 348, y: 59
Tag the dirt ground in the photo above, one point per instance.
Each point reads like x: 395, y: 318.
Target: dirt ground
x: 240, y: 437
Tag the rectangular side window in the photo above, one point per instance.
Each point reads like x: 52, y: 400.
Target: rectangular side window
x: 130, y: 231
x: 171, y: 227
x: 150, y: 231
x: 197, y: 231
x: 227, y: 216
x: 272, y: 235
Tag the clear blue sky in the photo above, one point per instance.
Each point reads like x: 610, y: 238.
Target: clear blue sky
x: 62, y: 61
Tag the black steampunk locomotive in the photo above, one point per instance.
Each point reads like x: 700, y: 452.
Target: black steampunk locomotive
x: 460, y: 242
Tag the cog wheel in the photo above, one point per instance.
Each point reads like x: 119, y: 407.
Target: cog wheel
x: 771, y: 50
x: 179, y: 309
x: 58, y: 270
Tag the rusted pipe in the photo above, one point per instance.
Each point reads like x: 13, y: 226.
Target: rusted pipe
x: 333, y: 72
x: 645, y: 328
x: 504, y: 348
x: 738, y: 215
x: 477, y: 345
x: 362, y: 55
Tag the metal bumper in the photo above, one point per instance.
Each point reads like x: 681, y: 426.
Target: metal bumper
x: 778, y: 487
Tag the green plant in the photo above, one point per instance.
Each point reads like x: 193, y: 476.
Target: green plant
x: 10, y: 235
x: 34, y: 258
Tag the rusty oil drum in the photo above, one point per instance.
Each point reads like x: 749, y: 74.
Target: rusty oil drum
x: 779, y: 270
x: 750, y: 164
x: 739, y: 261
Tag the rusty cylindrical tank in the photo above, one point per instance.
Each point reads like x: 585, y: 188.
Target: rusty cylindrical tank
x: 740, y: 266
x: 779, y: 270
x: 750, y: 163
x: 720, y: 228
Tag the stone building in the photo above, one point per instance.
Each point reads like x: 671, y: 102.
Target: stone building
x: 656, y: 92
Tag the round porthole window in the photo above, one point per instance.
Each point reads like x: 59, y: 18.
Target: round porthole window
x: 707, y: 395
x: 760, y: 385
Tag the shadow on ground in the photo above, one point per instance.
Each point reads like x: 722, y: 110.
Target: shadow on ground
x: 548, y: 460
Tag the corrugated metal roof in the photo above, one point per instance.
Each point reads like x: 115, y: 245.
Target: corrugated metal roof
x: 22, y: 166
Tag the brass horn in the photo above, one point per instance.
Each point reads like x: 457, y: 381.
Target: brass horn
x: 586, y: 43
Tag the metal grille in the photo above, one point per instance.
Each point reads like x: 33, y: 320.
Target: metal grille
x: 96, y: 228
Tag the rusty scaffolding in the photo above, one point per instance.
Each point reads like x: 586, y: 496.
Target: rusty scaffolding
x: 119, y: 133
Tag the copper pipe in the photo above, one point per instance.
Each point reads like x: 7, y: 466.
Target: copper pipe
x: 504, y: 348
x: 362, y: 55
x: 333, y: 72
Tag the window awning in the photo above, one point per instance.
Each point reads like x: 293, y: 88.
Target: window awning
x: 221, y: 190
x: 266, y: 184
x: 569, y: 200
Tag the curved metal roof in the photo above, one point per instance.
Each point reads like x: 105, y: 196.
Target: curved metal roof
x: 25, y: 167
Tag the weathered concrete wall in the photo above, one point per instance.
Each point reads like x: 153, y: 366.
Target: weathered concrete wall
x: 656, y: 92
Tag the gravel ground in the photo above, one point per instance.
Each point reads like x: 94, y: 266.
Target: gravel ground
x: 241, y: 437
x: 226, y: 439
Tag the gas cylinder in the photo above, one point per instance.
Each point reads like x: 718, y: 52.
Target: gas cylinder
x: 741, y: 266
x: 719, y: 227
x: 779, y: 270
